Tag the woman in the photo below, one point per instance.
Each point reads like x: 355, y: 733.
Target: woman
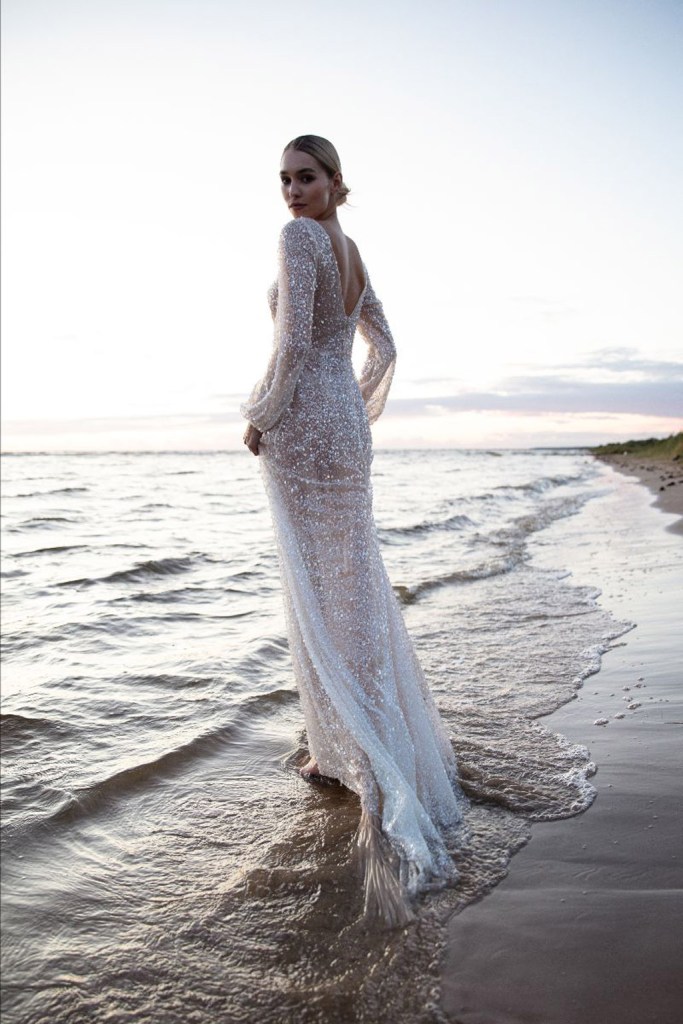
x: 370, y: 718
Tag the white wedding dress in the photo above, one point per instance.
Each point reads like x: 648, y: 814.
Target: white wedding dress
x: 371, y: 721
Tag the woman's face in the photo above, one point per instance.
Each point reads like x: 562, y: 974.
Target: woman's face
x: 307, y: 188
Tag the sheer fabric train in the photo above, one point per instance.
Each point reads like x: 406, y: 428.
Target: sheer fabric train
x: 370, y: 719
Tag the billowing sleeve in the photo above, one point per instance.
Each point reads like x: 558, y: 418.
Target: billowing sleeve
x: 378, y: 369
x: 298, y: 259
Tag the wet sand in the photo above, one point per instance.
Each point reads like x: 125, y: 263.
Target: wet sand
x: 588, y: 926
x: 664, y: 477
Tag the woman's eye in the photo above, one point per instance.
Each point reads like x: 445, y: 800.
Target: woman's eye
x: 284, y: 181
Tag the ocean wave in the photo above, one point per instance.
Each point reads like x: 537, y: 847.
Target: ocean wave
x: 199, y: 594
x: 515, y: 533
x: 68, y: 490
x: 152, y: 568
x: 14, y: 726
x: 103, y: 633
x: 46, y: 804
x: 455, y: 522
x: 56, y: 490
x: 168, y: 680
x: 520, y: 765
x: 142, y: 571
x: 539, y: 486
x: 549, y: 512
x: 509, y: 493
x: 272, y: 699
x: 510, y: 538
x: 40, y: 523
x: 122, y: 783
x: 268, y: 652
x: 54, y: 550
x: 410, y: 594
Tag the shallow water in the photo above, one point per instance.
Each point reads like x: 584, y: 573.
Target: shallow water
x: 162, y: 860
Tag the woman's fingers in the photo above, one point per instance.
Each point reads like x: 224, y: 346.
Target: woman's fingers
x: 252, y: 437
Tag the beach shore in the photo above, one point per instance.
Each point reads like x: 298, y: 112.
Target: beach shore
x: 664, y: 477
x: 587, y: 927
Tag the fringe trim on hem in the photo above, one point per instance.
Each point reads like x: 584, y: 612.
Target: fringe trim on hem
x: 385, y: 898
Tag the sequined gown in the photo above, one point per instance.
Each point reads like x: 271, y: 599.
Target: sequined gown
x: 370, y: 719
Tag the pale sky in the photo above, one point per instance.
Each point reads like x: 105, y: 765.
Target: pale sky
x: 516, y: 170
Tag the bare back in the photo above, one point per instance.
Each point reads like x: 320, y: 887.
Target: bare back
x: 349, y: 265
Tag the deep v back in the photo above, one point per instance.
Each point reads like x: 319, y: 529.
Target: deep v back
x: 359, y: 293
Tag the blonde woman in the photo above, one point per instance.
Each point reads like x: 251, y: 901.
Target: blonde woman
x: 371, y: 721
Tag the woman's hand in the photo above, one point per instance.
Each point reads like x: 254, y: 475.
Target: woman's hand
x: 252, y: 437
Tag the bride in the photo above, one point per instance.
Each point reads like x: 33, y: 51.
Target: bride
x: 371, y: 721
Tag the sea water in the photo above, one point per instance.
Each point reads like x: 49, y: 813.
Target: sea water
x: 162, y: 860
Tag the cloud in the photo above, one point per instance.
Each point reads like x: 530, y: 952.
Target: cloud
x: 612, y: 380
x: 645, y: 399
x: 628, y: 360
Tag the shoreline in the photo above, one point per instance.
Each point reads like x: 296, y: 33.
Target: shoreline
x: 663, y: 477
x: 586, y: 927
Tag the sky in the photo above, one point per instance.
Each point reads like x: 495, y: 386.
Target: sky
x: 515, y: 168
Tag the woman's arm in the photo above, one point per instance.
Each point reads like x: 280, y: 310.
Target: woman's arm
x: 298, y: 261
x: 378, y: 369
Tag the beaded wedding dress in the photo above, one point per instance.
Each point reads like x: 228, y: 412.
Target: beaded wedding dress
x: 370, y: 719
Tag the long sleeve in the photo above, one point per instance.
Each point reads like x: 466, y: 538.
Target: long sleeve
x: 378, y: 369
x: 298, y: 259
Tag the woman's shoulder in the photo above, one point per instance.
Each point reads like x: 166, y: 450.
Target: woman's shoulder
x: 300, y: 239
x: 302, y: 229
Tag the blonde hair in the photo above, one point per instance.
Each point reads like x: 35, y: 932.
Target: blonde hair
x: 327, y: 156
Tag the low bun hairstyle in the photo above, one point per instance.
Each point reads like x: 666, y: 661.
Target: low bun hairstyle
x: 324, y: 152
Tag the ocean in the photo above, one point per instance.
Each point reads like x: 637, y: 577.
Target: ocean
x: 162, y: 860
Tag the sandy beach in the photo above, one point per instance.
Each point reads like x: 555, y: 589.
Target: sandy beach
x: 587, y: 927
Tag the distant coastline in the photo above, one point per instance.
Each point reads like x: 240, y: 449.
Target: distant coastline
x: 669, y: 448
